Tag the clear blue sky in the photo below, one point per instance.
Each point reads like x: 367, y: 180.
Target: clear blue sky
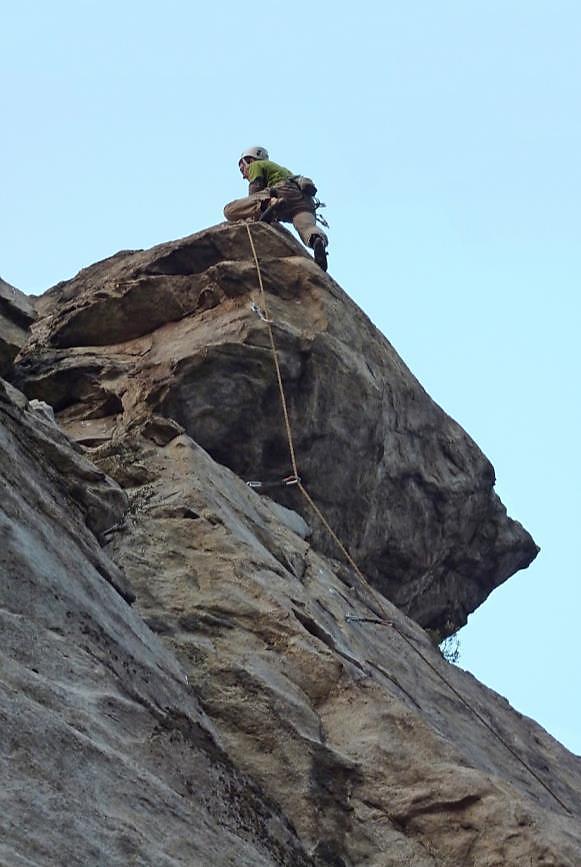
x: 445, y: 138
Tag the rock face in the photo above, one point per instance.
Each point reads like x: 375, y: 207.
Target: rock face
x: 16, y: 314
x: 260, y: 702
x: 280, y: 716
x: 171, y: 331
x: 107, y: 757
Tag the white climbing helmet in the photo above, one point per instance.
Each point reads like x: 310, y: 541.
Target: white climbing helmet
x: 256, y: 153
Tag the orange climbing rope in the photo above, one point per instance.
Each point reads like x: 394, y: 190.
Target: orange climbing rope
x: 380, y: 622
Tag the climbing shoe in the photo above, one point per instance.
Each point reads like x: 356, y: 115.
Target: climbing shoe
x: 320, y: 253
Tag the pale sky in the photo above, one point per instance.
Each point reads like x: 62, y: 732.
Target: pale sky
x: 445, y: 138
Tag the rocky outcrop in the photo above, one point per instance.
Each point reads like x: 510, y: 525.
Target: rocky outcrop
x: 172, y: 331
x: 258, y: 704
x: 16, y: 314
x: 322, y: 691
x: 107, y: 756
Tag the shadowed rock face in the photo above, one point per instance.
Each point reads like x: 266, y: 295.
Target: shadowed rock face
x: 16, y: 314
x: 171, y: 331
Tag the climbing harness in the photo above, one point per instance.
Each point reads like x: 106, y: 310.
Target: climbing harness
x: 276, y: 202
x: 305, y: 185
x: 296, y: 480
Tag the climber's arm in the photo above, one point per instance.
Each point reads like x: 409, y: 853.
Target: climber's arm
x: 256, y: 186
x: 256, y: 178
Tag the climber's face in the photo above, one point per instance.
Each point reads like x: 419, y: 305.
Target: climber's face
x: 243, y: 166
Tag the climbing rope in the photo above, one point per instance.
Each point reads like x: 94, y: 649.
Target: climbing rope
x: 266, y: 318
x: 268, y: 322
x: 380, y: 622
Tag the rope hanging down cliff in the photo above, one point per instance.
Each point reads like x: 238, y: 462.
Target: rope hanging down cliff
x: 296, y: 479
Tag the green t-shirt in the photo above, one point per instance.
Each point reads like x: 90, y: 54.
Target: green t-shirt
x: 271, y: 172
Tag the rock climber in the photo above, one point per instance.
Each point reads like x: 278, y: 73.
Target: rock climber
x: 274, y: 193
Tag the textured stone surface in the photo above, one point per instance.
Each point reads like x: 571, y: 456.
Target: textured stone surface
x: 315, y: 696
x: 16, y: 314
x: 314, y: 726
x: 106, y: 756
x: 37, y: 455
x: 278, y: 717
x: 171, y: 331
x: 337, y: 719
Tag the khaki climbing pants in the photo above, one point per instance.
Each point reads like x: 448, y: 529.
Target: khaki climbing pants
x: 295, y: 208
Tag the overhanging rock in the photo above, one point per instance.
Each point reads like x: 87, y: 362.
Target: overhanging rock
x: 171, y: 331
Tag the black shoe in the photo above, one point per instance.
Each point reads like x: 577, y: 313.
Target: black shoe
x: 320, y: 253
